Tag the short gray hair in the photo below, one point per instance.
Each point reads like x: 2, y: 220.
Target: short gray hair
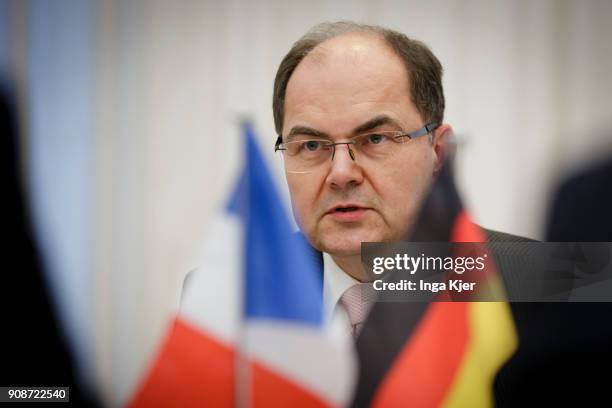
x: 423, y: 68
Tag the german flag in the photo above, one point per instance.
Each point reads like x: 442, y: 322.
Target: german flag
x: 436, y: 353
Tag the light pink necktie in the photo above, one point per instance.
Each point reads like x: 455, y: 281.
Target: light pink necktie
x: 357, y: 301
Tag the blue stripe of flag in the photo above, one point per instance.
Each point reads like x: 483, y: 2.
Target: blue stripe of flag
x: 282, y: 278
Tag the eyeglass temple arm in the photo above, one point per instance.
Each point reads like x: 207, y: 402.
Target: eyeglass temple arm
x: 279, y: 140
x: 423, y: 131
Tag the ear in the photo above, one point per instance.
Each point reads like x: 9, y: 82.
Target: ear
x: 442, y: 145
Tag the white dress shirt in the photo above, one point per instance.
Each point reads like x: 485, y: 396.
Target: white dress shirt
x: 335, y: 283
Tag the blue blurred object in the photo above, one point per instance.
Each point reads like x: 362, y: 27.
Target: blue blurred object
x: 271, y: 246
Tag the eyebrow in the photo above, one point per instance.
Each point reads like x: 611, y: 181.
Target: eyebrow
x: 375, y: 122
x: 371, y: 124
x: 306, y: 131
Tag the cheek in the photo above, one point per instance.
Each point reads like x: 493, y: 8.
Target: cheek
x: 303, y: 196
x: 405, y: 183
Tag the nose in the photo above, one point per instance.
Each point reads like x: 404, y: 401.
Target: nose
x: 344, y: 170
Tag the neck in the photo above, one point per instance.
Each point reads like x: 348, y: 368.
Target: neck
x: 351, y: 265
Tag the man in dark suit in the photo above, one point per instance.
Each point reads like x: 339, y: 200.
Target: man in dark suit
x: 359, y: 112
x: 359, y: 115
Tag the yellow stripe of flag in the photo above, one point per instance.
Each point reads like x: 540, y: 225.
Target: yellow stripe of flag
x: 493, y: 340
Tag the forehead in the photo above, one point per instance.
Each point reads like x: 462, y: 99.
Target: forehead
x: 345, y: 79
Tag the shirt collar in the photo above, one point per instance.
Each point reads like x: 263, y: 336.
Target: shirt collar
x: 335, y: 283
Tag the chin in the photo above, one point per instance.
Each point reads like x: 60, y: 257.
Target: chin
x: 346, y: 239
x: 345, y: 244
x: 344, y: 249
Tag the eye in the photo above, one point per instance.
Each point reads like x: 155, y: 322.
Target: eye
x: 376, y: 139
x: 312, y: 145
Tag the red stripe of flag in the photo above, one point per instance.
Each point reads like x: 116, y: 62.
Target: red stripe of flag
x: 195, y: 370
x: 192, y: 370
x: 272, y: 390
x: 425, y: 369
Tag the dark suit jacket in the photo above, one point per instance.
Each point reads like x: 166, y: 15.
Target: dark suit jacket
x: 564, y: 349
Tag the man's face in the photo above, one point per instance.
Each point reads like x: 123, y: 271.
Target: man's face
x: 341, y: 85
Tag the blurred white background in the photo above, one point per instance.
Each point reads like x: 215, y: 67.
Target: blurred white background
x: 131, y: 109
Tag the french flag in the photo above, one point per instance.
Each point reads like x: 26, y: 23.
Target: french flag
x: 251, y: 329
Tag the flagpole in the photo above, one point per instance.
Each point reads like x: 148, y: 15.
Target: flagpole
x: 242, y: 389
x: 242, y: 367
